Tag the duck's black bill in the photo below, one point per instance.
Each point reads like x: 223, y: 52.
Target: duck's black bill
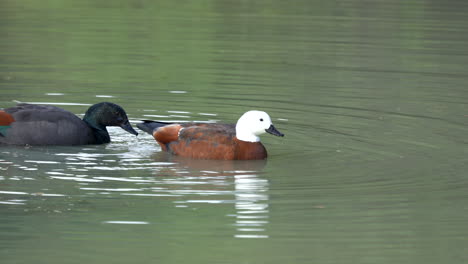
x: 127, y: 127
x: 272, y: 130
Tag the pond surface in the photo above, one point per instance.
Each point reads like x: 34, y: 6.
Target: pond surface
x: 372, y: 97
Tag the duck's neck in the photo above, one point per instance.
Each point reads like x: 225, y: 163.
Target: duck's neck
x: 247, y: 137
x: 100, y: 132
x: 243, y: 131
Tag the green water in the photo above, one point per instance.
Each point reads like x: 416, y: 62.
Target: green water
x: 372, y: 97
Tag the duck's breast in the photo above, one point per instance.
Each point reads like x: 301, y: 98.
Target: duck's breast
x: 250, y: 150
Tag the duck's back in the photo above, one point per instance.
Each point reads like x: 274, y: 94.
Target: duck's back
x: 45, y: 125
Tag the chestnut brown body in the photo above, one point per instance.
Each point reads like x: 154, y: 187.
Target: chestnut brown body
x: 214, y: 141
x: 206, y: 141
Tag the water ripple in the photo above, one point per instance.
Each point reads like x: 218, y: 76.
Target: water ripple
x: 129, y: 169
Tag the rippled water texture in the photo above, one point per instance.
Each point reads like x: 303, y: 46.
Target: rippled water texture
x: 371, y: 95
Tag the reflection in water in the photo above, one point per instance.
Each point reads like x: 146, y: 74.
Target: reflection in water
x: 115, y: 171
x: 4, y: 196
x: 251, y: 205
x: 250, y: 192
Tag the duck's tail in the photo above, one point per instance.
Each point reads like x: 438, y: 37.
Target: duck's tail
x: 149, y: 126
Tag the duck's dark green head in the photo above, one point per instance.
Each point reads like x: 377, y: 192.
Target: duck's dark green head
x: 108, y: 114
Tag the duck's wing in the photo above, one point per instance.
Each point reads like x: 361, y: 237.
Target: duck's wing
x: 205, y: 141
x: 165, y: 133
x: 216, y: 133
x: 45, y: 125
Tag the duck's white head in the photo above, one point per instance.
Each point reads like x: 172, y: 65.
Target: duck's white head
x: 254, y: 123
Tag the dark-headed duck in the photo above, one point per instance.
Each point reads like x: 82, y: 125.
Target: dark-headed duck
x: 31, y: 124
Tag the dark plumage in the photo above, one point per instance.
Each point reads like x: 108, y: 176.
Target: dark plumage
x: 30, y: 124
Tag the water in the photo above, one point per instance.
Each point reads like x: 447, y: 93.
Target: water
x: 371, y: 96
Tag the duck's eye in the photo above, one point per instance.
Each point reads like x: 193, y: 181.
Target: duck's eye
x: 261, y: 119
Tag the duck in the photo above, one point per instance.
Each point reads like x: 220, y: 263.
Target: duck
x: 238, y: 141
x: 33, y: 124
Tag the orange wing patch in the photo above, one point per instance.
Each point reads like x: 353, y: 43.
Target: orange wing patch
x: 5, y: 118
x: 167, y: 134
